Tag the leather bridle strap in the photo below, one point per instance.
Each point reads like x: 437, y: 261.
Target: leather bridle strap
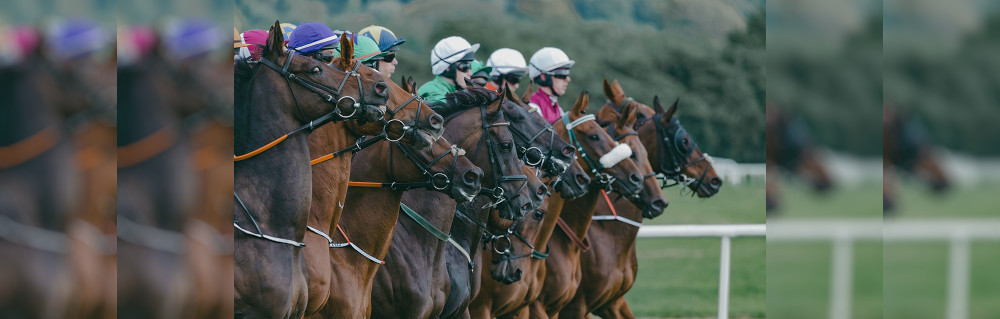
x: 28, y: 148
x: 583, y: 244
x: 614, y: 214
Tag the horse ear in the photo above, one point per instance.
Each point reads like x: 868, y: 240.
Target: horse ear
x: 412, y: 83
x: 628, y: 116
x: 526, y: 97
x: 671, y: 111
x: 657, y: 106
x: 510, y: 93
x: 346, y: 50
x: 494, y: 106
x: 275, y: 42
x: 608, y: 93
x: 617, y: 90
x: 580, y: 106
x: 403, y: 84
x: 607, y: 115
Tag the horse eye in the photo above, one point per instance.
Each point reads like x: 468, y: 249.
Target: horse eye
x: 539, y: 214
x: 315, y: 71
x: 595, y: 137
x: 506, y: 147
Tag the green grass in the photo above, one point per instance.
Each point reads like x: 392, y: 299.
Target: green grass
x: 679, y: 278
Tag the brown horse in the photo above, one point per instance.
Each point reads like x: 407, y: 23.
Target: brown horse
x: 273, y: 174
x: 330, y: 181
x: 554, y: 159
x: 474, y: 120
x: 907, y: 148
x: 626, y: 177
x: 610, y: 266
x: 791, y: 148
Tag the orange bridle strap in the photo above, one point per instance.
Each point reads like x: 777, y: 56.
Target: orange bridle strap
x: 259, y: 150
x: 28, y: 148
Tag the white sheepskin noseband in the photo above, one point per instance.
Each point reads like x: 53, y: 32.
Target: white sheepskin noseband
x: 617, y: 154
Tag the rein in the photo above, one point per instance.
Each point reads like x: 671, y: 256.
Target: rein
x: 28, y: 148
x: 527, y: 147
x: 146, y: 148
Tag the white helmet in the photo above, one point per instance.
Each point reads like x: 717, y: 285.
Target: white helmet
x: 547, y: 59
x: 450, y: 50
x: 505, y: 61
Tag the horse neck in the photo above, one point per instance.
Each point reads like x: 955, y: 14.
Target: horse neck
x: 263, y: 117
x: 17, y: 120
x: 370, y: 215
x: 329, y: 177
x: 552, y: 206
x: 279, y: 172
x: 582, y: 210
x: 465, y: 232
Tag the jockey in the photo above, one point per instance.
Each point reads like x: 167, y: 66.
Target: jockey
x: 314, y: 40
x: 480, y: 73
x: 387, y: 43
x: 365, y: 50
x: 549, y: 68
x: 508, y: 68
x: 450, y: 62
x: 256, y: 41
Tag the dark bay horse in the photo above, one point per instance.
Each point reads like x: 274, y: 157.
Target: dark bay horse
x: 610, y: 266
x: 39, y: 188
x: 474, y: 121
x: 273, y: 179
x: 370, y: 212
x: 613, y: 169
x: 553, y: 158
x: 907, y: 148
x: 790, y: 148
x: 407, y: 121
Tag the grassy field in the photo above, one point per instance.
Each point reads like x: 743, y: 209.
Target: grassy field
x: 679, y: 278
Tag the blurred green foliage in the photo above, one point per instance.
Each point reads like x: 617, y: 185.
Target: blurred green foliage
x: 708, y: 53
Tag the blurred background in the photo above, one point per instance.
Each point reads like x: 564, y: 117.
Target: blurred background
x: 708, y: 53
x: 919, y: 71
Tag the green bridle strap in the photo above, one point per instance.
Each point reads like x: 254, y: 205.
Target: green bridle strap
x: 424, y: 223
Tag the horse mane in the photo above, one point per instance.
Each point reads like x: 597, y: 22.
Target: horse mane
x: 461, y: 100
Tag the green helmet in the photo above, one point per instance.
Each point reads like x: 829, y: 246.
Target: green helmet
x: 365, y: 49
x: 479, y: 69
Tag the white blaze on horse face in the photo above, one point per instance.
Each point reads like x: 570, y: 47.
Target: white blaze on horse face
x: 616, y: 155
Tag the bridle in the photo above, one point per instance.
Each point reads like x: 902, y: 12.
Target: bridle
x: 319, y: 89
x: 497, y: 192
x: 610, y: 129
x: 604, y: 180
x: 527, y: 147
x: 672, y: 151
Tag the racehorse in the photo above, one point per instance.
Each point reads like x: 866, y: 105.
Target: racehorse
x: 610, y: 266
x: 791, y: 148
x: 39, y: 188
x: 906, y: 147
x: 474, y: 121
x: 613, y: 168
x: 370, y: 212
x: 540, y: 148
x: 273, y: 173
x: 331, y: 148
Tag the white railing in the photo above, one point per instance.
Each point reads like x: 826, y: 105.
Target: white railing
x: 726, y: 232
x: 843, y: 233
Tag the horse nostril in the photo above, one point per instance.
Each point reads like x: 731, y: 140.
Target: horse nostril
x: 659, y: 204
x: 716, y: 182
x: 380, y: 88
x: 583, y: 180
x: 568, y: 150
x: 542, y: 190
x: 472, y: 177
x: 526, y: 207
x: 435, y: 121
